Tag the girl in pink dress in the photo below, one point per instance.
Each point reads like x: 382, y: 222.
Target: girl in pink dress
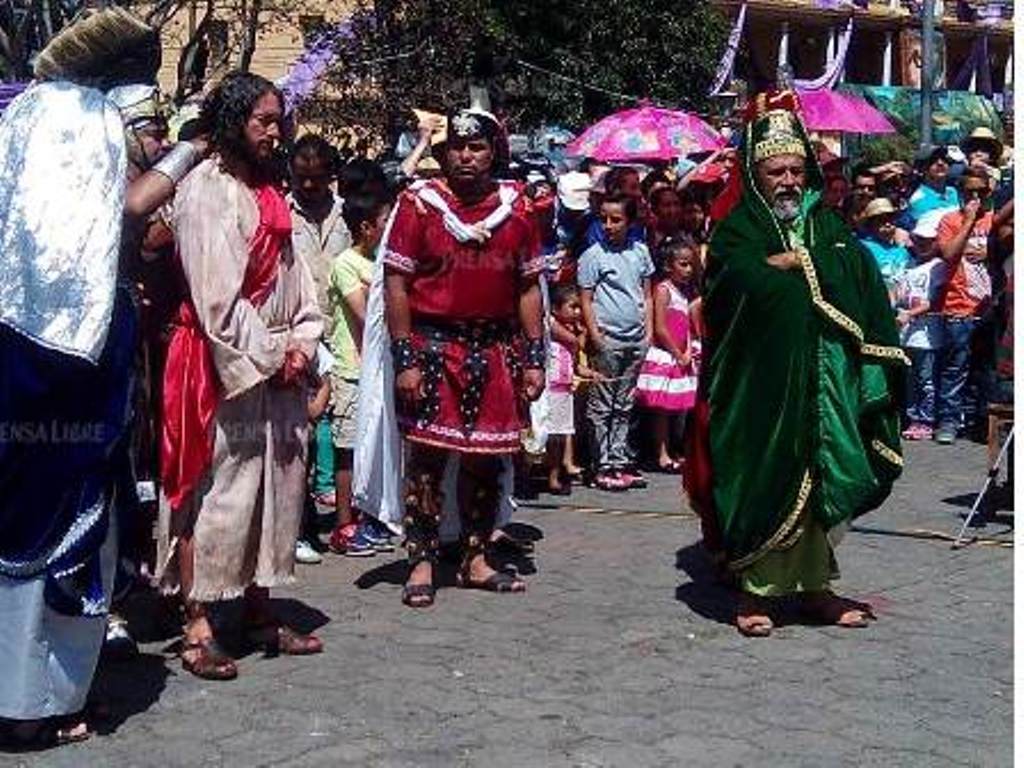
x: 668, y: 376
x: 562, y: 354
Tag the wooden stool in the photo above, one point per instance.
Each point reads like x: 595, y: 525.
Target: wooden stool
x: 1000, y: 415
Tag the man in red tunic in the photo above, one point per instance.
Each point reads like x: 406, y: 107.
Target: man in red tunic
x: 464, y: 313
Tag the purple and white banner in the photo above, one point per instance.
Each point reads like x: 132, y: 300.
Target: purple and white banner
x: 724, y: 71
x: 830, y: 76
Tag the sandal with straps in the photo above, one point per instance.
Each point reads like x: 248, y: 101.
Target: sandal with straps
x: 499, y: 581
x: 211, y: 662
x: 418, y: 595
x: 34, y: 735
x: 279, y: 640
x: 833, y: 610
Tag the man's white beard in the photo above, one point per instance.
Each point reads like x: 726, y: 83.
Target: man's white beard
x: 786, y: 209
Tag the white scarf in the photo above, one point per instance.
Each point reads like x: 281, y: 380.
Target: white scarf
x: 479, y: 232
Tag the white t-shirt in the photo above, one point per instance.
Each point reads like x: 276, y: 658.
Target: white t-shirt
x: 917, y: 285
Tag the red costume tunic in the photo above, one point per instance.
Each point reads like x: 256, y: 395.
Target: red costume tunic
x: 464, y: 306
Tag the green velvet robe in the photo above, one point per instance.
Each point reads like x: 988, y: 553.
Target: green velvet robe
x: 803, y: 377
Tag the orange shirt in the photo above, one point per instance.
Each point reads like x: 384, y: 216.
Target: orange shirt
x: 969, y: 287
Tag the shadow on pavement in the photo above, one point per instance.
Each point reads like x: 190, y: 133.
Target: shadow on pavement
x: 151, y: 617
x: 122, y: 689
x: 515, y: 547
x: 297, y: 615
x: 524, y: 532
x: 705, y: 594
x: 998, y: 499
x: 394, y: 572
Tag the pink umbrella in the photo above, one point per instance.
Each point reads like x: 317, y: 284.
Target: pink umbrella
x: 645, y: 133
x: 835, y: 111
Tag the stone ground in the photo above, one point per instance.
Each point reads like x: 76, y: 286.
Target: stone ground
x: 620, y: 654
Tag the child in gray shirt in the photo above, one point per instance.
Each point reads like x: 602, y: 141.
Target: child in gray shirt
x: 615, y: 293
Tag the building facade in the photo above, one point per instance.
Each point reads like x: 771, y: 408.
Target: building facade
x: 885, y: 45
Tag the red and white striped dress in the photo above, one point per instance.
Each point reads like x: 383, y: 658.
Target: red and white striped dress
x: 663, y: 384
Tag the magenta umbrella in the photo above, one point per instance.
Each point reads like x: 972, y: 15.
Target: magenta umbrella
x: 844, y: 112
x: 645, y: 133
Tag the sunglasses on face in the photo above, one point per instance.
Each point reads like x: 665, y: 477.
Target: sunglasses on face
x: 979, y: 192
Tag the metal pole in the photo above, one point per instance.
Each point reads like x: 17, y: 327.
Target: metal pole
x: 927, y: 71
x: 993, y: 473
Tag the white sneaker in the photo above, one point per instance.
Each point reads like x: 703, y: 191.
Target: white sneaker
x: 304, y: 553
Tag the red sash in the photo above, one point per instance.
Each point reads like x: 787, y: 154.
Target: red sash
x: 191, y: 388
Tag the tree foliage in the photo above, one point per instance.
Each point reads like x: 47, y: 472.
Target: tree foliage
x: 27, y: 25
x: 562, y: 61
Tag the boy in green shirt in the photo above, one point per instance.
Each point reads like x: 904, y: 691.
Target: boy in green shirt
x: 347, y: 291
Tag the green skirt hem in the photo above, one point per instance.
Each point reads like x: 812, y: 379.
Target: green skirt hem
x: 806, y: 566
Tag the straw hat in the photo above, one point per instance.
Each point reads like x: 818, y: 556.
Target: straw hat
x: 880, y: 206
x: 427, y: 166
x: 97, y: 42
x: 983, y: 138
x: 440, y: 134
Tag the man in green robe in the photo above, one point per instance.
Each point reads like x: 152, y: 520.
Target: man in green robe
x: 801, y: 381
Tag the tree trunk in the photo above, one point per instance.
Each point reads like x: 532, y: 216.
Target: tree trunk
x: 192, y: 66
x: 252, y: 22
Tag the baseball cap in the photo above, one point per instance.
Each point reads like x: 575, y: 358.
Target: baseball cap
x: 928, y: 225
x: 574, y: 190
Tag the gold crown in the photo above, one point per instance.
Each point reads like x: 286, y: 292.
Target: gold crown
x: 780, y: 137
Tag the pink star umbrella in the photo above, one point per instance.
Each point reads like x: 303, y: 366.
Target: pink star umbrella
x: 646, y: 133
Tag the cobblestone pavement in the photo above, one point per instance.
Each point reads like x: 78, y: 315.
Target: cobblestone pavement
x: 620, y: 654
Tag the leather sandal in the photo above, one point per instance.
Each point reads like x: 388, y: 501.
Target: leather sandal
x: 754, y: 626
x: 499, y: 581
x: 833, y: 610
x: 211, y: 662
x: 753, y: 617
x: 35, y: 735
x: 279, y: 640
x: 418, y: 595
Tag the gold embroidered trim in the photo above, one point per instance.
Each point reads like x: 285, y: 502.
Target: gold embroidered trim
x: 784, y: 530
x: 888, y: 353
x: 818, y: 298
x: 792, y: 539
x: 780, y: 145
x: 844, y: 322
x: 887, y: 453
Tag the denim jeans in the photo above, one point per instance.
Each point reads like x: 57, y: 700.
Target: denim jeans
x: 921, y: 400
x: 954, y: 367
x: 610, y: 403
